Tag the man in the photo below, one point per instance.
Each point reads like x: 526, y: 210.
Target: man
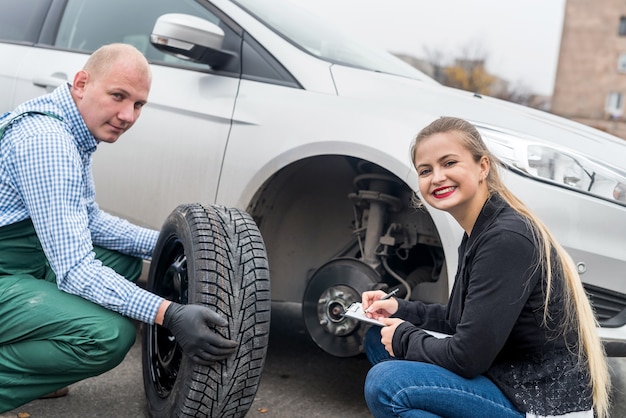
x: 66, y: 267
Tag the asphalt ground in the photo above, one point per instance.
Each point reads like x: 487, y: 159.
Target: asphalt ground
x: 299, y: 380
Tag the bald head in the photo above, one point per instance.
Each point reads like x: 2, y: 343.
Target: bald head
x: 107, y: 57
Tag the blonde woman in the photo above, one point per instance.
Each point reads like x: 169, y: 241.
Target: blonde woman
x: 524, y: 339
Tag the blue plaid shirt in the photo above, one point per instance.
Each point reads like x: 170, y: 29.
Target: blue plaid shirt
x: 45, y: 174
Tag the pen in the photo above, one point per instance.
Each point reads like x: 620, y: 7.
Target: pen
x: 387, y: 296
x: 390, y: 294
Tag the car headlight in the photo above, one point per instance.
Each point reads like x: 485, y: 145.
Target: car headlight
x: 559, y: 165
x: 573, y: 170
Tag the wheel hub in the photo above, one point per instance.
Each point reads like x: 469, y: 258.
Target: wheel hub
x: 331, y: 306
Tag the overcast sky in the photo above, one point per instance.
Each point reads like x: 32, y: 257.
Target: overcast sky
x: 519, y: 38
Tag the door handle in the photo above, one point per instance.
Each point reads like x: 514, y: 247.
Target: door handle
x: 50, y: 82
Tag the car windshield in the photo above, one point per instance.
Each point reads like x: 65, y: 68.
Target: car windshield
x: 325, y: 41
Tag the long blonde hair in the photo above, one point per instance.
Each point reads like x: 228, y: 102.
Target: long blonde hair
x: 579, y: 315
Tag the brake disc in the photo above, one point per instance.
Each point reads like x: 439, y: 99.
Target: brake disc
x: 331, y: 289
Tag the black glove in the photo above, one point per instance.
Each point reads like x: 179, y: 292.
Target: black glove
x: 191, y: 325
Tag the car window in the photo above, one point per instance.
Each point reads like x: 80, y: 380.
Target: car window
x: 86, y: 25
x: 324, y: 40
x: 21, y: 20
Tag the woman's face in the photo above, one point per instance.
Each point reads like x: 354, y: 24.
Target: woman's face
x: 449, y: 178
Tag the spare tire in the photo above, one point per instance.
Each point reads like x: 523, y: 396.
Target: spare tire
x: 212, y: 256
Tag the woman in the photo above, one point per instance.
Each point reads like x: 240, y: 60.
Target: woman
x: 524, y: 339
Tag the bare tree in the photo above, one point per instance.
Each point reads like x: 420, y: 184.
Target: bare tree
x: 469, y: 75
x: 468, y: 71
x: 437, y: 61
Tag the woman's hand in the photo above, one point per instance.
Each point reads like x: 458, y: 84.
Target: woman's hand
x: 387, y: 332
x: 376, y: 308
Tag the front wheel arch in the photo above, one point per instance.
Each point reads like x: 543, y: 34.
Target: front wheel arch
x: 306, y: 213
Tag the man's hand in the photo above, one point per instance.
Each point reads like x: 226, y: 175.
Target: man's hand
x: 191, y: 325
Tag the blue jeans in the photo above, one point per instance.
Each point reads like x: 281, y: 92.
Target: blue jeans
x: 411, y: 389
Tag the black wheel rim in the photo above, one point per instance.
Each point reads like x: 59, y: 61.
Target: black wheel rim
x: 169, y: 281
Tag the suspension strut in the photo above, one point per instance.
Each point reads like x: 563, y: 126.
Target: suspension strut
x: 373, y: 200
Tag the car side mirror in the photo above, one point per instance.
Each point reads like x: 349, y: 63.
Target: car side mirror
x: 191, y: 38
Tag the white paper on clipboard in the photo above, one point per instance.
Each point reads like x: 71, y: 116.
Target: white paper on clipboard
x: 356, y: 311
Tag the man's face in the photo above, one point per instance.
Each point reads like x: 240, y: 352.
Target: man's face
x: 111, y: 102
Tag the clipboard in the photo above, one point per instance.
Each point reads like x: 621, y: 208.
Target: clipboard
x: 355, y: 310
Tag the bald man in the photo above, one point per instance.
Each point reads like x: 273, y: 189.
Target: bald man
x: 67, y: 268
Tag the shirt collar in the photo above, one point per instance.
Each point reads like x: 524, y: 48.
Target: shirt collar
x: 84, y: 140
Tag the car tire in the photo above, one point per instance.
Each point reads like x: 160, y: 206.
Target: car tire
x: 212, y: 256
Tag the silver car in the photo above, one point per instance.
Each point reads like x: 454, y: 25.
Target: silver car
x: 259, y: 105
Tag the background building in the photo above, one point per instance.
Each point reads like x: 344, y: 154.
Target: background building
x: 590, y: 84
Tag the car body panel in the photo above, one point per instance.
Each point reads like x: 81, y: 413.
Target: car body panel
x: 9, y: 73
x: 203, y: 105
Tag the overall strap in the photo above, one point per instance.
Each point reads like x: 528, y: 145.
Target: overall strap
x: 29, y: 112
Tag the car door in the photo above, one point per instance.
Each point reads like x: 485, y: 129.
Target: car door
x: 175, y: 148
x: 20, y: 24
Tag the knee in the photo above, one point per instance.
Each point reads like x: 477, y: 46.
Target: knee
x: 372, y: 382
x: 379, y: 389
x: 122, y: 338
x: 111, y: 342
x: 378, y: 378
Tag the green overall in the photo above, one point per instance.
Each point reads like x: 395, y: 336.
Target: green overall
x: 48, y: 338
